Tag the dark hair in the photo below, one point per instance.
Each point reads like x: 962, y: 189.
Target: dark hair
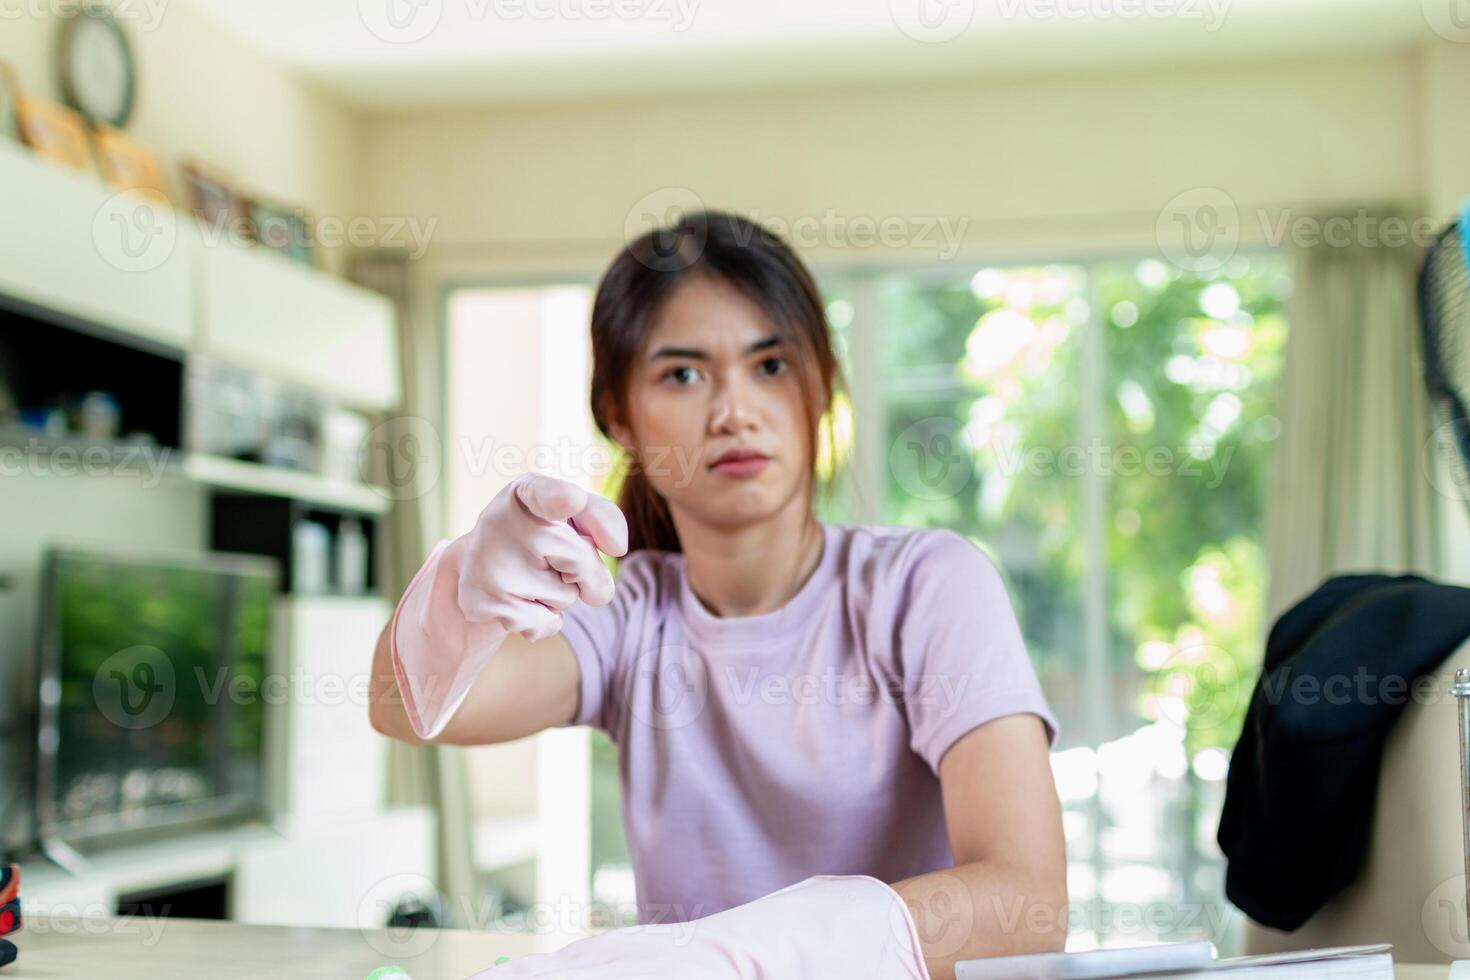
x: 640, y: 280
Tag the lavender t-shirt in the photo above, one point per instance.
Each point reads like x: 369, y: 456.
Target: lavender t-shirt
x: 756, y: 751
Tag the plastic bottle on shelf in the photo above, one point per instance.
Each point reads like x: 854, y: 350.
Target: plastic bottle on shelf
x: 352, y: 548
x: 310, y: 557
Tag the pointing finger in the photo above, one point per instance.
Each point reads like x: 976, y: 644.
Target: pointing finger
x: 549, y: 498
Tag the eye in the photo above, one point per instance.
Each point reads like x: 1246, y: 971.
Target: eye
x: 678, y: 375
x: 774, y: 366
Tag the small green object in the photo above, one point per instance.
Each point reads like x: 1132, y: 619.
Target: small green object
x: 389, y: 973
x: 502, y: 959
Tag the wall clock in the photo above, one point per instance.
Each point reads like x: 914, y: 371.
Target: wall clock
x: 98, y: 74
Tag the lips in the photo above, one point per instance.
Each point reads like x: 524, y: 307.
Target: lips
x: 738, y: 455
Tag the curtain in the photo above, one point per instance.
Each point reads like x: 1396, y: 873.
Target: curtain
x: 1349, y: 488
x: 411, y: 467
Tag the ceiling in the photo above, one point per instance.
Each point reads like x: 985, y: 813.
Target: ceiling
x: 394, y: 54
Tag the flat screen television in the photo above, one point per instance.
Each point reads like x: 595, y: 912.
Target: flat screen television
x: 153, y: 695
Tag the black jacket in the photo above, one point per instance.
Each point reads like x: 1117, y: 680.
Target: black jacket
x: 1340, y: 666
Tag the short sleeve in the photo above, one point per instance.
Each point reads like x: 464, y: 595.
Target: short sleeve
x: 600, y: 635
x: 962, y: 659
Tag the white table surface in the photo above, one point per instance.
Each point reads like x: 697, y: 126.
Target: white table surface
x: 63, y: 948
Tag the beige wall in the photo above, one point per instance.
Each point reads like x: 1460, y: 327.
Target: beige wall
x: 1030, y: 163
x: 1446, y: 73
x: 203, y: 93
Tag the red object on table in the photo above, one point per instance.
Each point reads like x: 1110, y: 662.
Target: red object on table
x: 9, y: 910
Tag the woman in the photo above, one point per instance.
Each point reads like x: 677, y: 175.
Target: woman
x: 842, y: 707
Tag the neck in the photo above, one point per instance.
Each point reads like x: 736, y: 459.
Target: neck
x: 750, y: 569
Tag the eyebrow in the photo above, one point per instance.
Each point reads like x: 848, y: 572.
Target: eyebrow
x: 695, y: 354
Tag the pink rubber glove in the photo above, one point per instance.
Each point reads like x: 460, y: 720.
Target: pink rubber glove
x: 828, y: 926
x: 532, y: 552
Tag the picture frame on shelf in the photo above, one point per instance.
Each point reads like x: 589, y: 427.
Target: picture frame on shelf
x: 214, y: 201
x: 56, y: 133
x: 282, y: 229
x: 127, y: 165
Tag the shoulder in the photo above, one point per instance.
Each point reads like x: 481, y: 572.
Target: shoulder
x: 909, y: 560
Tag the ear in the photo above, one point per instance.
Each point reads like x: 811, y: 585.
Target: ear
x: 622, y: 435
x: 618, y: 430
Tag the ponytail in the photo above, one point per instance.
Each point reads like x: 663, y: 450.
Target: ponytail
x: 650, y: 525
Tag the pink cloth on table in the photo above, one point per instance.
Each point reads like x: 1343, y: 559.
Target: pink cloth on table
x: 757, y: 751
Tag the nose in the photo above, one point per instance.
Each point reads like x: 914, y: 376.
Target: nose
x: 732, y: 410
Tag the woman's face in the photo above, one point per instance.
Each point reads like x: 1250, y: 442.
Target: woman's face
x: 714, y: 377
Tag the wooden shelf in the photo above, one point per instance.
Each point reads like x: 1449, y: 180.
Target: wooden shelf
x: 233, y: 474
x: 68, y: 244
